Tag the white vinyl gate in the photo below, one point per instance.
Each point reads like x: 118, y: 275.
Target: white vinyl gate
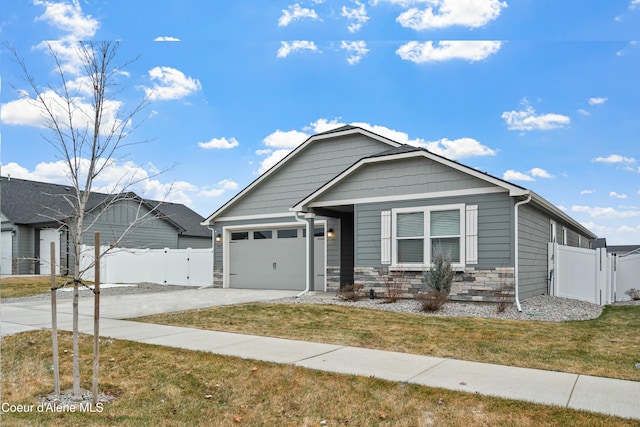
x: 591, y: 275
x: 187, y: 267
x: 627, y: 275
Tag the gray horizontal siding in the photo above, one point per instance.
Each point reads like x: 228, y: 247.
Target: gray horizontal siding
x: 495, y: 242
x: 319, y: 162
x: 185, y: 242
x: 399, y: 177
x: 533, y: 236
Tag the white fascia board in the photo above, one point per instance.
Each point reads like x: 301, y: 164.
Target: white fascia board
x: 513, y: 189
x: 288, y: 157
x: 549, y: 207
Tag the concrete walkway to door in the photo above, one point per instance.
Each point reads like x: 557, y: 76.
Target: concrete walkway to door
x: 594, y: 394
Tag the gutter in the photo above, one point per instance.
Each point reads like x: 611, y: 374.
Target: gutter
x: 516, y: 272
x: 307, y: 283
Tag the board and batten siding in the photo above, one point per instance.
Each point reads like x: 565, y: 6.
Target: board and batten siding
x: 318, y: 163
x: 152, y: 232
x: 417, y: 175
x: 495, y: 222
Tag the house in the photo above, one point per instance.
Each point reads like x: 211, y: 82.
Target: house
x: 350, y: 206
x: 33, y: 214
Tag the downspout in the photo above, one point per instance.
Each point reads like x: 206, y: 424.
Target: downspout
x: 213, y: 254
x: 307, y: 281
x: 516, y: 270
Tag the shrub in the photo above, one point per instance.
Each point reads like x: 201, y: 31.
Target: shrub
x: 393, y: 287
x: 633, y: 293
x: 431, y: 300
x: 351, y: 292
x: 505, y: 297
x: 440, y: 276
x: 438, y: 284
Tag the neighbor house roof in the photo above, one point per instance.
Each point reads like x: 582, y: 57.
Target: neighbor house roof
x: 32, y: 202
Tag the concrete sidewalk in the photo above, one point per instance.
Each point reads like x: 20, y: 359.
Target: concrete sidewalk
x: 594, y: 394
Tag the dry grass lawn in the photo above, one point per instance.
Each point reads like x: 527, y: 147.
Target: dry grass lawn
x: 608, y: 346
x: 158, y: 386
x: 17, y: 287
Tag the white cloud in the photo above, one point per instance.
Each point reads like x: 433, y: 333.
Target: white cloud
x: 219, y: 189
x: 357, y: 16
x: 27, y: 112
x: 634, y: 4
x: 68, y: 18
x: 447, y: 13
x: 527, y: 119
x: 614, y: 158
x: 323, y: 125
x: 540, y: 173
x: 356, y: 50
x: 617, y: 196
x: 287, y: 48
x: 470, y: 50
x: 512, y: 175
x: 597, y: 101
x: 166, y: 39
x: 170, y: 84
x: 296, y: 12
x: 584, y: 112
x: 219, y: 143
x: 608, y: 212
x: 458, y: 148
x: 583, y: 192
x: 288, y: 139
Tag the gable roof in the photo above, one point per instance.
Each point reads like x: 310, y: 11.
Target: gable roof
x: 333, y: 133
x: 32, y: 202
x: 408, y: 151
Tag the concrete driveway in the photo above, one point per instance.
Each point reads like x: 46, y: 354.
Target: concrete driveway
x: 24, y: 316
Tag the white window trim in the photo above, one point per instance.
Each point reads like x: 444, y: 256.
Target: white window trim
x: 427, y: 238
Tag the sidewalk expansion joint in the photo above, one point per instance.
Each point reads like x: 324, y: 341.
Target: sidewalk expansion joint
x: 572, y: 390
x: 319, y: 354
x: 428, y: 369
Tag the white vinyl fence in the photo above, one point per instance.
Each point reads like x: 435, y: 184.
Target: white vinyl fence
x: 187, y: 267
x: 628, y: 275
x: 591, y: 275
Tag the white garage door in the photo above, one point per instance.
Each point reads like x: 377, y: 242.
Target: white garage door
x: 274, y: 258
x: 6, y: 252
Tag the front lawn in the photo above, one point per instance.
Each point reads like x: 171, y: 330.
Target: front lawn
x: 160, y: 386
x: 608, y: 346
x: 17, y: 287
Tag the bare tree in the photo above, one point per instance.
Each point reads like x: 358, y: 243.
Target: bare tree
x: 88, y: 129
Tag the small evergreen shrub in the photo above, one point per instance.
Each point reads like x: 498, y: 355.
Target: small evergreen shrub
x: 437, y: 282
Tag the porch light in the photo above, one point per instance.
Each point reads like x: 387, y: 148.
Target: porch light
x: 218, y: 238
x: 331, y: 234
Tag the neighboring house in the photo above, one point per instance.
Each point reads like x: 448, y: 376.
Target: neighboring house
x: 33, y: 214
x: 379, y: 210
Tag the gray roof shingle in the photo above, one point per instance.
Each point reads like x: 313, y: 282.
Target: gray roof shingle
x: 32, y: 202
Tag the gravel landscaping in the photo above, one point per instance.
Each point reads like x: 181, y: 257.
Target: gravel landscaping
x: 542, y: 308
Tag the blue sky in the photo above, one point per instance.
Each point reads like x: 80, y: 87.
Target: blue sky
x: 542, y: 93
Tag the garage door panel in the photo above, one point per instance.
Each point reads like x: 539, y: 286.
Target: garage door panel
x: 271, y: 263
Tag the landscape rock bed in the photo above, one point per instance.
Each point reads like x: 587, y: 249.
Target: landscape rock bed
x: 541, y: 308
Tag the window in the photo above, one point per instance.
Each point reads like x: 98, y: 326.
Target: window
x: 240, y: 235
x: 262, y: 234
x: 317, y: 232
x: 420, y: 233
x: 289, y: 233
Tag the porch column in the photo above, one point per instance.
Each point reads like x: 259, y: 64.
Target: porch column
x: 310, y: 217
